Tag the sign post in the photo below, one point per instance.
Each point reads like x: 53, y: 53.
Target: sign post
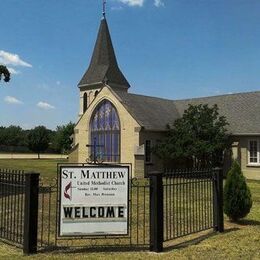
x: 93, y: 200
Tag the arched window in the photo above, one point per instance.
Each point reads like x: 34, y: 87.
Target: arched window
x: 85, y: 102
x: 105, y: 129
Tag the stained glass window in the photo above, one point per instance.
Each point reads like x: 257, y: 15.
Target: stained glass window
x: 105, y: 129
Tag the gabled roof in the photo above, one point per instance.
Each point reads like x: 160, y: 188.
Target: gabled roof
x: 103, y: 67
x: 150, y: 112
x: 242, y: 110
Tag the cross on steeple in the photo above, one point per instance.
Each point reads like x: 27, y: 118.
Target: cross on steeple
x: 104, y: 8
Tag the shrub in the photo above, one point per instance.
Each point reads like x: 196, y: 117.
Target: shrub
x: 237, y: 196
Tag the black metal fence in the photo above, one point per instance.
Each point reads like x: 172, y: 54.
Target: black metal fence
x: 184, y: 202
x: 47, y: 214
x: 19, y: 208
x: 12, y: 198
x: 163, y: 207
x: 188, y: 202
x: 139, y: 212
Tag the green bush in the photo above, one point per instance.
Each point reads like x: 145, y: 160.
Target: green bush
x: 237, y: 195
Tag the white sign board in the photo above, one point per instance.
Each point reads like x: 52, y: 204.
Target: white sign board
x: 93, y: 200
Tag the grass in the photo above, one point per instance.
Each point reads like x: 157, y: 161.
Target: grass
x: 239, y: 241
x: 46, y: 167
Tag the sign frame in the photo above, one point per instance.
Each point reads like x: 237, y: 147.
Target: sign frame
x: 128, y: 166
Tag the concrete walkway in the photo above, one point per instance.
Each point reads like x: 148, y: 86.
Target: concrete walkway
x: 31, y: 156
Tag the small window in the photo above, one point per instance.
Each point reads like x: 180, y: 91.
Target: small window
x: 96, y: 93
x: 85, y: 102
x: 253, y: 152
x: 148, y: 151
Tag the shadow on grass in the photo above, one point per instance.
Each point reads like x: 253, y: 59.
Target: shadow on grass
x: 248, y: 222
x: 125, y: 248
x: 94, y: 249
x: 196, y: 240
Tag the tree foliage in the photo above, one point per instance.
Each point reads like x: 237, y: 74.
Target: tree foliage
x: 237, y: 195
x: 62, y: 141
x: 12, y: 136
x: 4, y: 72
x: 39, y: 139
x: 15, y: 139
x: 197, y: 137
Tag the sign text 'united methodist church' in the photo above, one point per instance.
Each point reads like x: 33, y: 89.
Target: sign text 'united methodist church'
x: 93, y: 200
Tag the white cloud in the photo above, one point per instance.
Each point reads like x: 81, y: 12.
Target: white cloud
x: 45, y: 105
x: 8, y: 58
x: 133, y: 2
x: 158, y: 3
x: 12, y: 100
x: 13, y: 71
x: 116, y: 8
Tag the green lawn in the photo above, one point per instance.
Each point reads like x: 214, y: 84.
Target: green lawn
x: 239, y: 241
x: 46, y: 167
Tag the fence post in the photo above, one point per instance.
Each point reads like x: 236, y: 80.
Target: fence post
x: 156, y: 212
x: 31, y: 213
x: 218, y: 200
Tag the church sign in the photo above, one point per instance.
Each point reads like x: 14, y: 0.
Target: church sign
x: 93, y: 200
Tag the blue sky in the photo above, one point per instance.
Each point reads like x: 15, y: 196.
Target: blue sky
x: 170, y: 48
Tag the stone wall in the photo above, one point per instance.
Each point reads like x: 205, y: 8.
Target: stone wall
x: 129, y: 135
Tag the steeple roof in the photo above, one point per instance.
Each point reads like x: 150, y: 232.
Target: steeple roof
x: 103, y: 67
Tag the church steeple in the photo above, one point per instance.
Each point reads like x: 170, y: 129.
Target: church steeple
x: 103, y: 67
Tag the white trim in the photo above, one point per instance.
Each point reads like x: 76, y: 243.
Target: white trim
x: 91, y: 84
x: 258, y: 152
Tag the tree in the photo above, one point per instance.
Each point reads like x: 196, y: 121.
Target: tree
x: 196, y: 138
x: 38, y: 139
x: 62, y: 138
x: 4, y: 72
x: 14, y: 136
x: 237, y: 195
x: 2, y: 135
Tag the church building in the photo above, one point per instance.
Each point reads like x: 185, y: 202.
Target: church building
x: 124, y: 126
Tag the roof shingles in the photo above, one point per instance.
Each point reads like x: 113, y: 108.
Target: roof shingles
x: 242, y: 110
x: 103, y: 66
